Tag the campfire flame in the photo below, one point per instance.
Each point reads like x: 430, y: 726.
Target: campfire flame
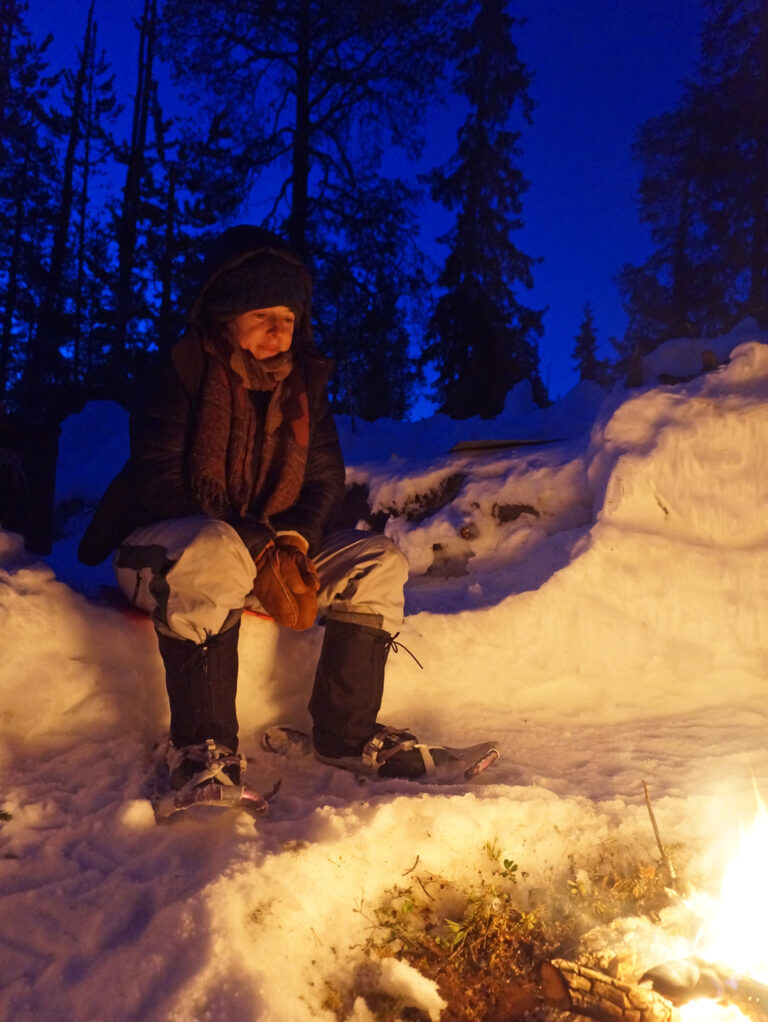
x: 737, y: 934
x: 711, y: 1011
x: 734, y: 930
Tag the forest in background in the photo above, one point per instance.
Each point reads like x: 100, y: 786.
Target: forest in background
x: 301, y: 108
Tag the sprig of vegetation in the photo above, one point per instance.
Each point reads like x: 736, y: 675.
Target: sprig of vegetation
x: 483, y: 942
x: 614, y: 884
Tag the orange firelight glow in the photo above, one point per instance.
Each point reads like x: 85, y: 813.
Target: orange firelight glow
x: 736, y: 934
x: 734, y: 930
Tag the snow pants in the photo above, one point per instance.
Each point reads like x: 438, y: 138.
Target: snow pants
x: 195, y: 576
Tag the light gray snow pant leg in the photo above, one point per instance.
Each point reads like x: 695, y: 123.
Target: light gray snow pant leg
x: 191, y: 574
x: 362, y: 576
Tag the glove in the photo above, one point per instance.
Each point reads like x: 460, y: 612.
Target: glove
x: 287, y: 582
x: 293, y: 547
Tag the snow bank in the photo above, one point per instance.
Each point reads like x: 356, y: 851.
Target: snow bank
x: 678, y: 462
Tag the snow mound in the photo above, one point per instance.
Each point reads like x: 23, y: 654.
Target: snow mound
x: 687, y: 356
x: 676, y: 461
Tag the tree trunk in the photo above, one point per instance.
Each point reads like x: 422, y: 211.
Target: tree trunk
x: 77, y: 354
x: 165, y: 331
x: 127, y: 230
x: 11, y: 292
x: 681, y: 268
x: 48, y: 328
x: 299, y: 216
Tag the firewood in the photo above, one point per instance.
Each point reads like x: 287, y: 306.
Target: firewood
x: 594, y: 995
x: 690, y: 978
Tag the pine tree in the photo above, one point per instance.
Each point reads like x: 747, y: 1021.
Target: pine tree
x: 72, y: 275
x: 51, y: 330
x: 28, y: 183
x: 482, y: 337
x: 178, y: 184
x: 315, y: 91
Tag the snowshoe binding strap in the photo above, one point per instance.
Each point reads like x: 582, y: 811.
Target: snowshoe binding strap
x: 388, y: 742
x: 214, y: 760
x: 396, y: 753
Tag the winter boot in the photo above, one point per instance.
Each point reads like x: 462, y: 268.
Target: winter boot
x: 349, y: 684
x: 201, y: 680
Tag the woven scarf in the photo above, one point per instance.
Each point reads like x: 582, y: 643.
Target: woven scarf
x: 235, y: 464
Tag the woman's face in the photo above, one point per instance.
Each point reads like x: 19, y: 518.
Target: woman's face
x: 264, y: 332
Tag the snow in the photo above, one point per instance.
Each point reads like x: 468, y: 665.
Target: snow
x: 603, y: 616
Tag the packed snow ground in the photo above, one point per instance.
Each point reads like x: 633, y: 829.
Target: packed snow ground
x: 597, y: 603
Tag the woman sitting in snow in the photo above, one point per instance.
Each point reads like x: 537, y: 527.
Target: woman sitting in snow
x: 226, y: 501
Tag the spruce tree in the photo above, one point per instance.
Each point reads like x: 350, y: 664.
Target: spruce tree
x: 704, y: 190
x: 367, y: 297
x: 734, y: 79
x: 682, y: 286
x: 588, y: 365
x: 482, y: 338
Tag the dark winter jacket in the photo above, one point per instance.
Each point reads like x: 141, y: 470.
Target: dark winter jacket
x: 155, y: 482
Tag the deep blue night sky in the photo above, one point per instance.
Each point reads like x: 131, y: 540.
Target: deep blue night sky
x: 600, y: 68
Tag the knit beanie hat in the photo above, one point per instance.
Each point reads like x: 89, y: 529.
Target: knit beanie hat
x: 262, y: 281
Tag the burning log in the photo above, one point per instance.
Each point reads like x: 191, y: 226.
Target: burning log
x: 594, y: 995
x: 691, y: 978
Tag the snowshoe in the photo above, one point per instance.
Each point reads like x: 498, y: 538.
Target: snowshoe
x: 393, y: 753
x: 207, y: 774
